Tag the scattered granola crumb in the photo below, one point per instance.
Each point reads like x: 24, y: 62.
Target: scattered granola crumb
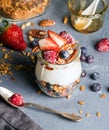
x: 65, y: 20
x: 82, y: 88
x: 68, y: 97
x: 81, y: 102
x: 87, y: 114
x: 80, y: 111
x: 98, y: 114
x: 103, y: 96
x: 30, y: 38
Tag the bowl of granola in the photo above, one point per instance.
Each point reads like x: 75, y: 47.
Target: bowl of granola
x: 20, y: 10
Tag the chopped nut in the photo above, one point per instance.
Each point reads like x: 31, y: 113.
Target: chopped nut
x: 98, y: 114
x: 35, y: 49
x: 6, y: 56
x: 103, y: 96
x: 30, y: 38
x: 81, y: 102
x: 65, y: 20
x: 87, y: 114
x: 36, y: 33
x: 28, y: 24
x: 82, y: 88
x: 23, y: 26
x: 68, y: 97
x: 46, y: 23
x: 80, y: 111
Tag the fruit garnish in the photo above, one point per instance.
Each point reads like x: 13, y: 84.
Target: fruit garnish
x: 96, y: 87
x: 57, y: 38
x: 103, y: 45
x: 64, y: 54
x: 47, y: 44
x: 12, y: 36
x: 50, y: 56
x: 95, y: 76
x: 67, y: 36
x: 89, y: 59
x: 16, y: 99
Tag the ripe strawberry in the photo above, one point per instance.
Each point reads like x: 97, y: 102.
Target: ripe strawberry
x: 16, y: 99
x: 12, y: 36
x: 50, y: 56
x: 103, y: 45
x: 48, y: 44
x: 57, y: 38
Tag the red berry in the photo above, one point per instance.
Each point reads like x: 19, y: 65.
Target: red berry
x: 16, y: 99
x: 103, y: 45
x: 50, y: 56
x: 12, y: 36
x: 67, y: 36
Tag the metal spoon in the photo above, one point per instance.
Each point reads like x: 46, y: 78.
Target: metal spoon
x: 6, y: 94
x: 83, y: 23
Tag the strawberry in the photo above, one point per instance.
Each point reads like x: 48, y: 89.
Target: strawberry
x: 12, y: 36
x: 50, y: 56
x: 57, y: 38
x: 103, y: 45
x: 48, y: 44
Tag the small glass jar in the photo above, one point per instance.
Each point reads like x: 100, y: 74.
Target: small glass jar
x: 87, y: 23
x: 59, y: 80
x: 19, y: 10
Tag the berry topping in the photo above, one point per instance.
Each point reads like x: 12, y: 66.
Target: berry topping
x: 47, y: 44
x: 64, y: 54
x: 50, y: 56
x: 83, y: 58
x: 96, y: 87
x: 83, y: 74
x: 57, y: 38
x: 34, y: 43
x: 103, y: 45
x: 89, y: 59
x: 16, y: 99
x: 12, y: 36
x: 95, y: 75
x: 67, y: 36
x: 83, y: 50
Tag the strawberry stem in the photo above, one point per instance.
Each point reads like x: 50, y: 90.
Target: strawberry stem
x: 3, y: 26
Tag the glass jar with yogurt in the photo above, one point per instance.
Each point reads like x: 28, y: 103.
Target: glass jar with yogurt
x: 59, y: 80
x: 18, y: 10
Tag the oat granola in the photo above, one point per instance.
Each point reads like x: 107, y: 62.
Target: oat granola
x: 22, y: 9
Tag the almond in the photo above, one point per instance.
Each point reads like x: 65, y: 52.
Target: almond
x: 47, y: 23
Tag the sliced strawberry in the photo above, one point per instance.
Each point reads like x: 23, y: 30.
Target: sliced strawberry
x: 47, y: 44
x: 57, y: 38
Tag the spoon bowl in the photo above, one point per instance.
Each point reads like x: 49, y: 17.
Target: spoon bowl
x: 6, y: 94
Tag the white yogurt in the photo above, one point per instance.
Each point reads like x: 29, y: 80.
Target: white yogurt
x: 59, y: 74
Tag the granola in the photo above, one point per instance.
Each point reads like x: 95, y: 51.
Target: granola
x: 22, y: 9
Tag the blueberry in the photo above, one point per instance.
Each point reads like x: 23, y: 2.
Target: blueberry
x: 95, y: 75
x: 96, y: 87
x: 89, y: 59
x: 48, y: 86
x: 64, y: 54
x: 82, y: 58
x: 83, y: 74
x: 32, y: 44
x: 83, y: 50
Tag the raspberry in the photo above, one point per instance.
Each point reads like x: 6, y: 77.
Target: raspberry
x: 103, y: 45
x: 67, y: 36
x: 16, y: 99
x: 50, y: 56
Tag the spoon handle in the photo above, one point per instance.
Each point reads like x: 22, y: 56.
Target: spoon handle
x: 66, y: 115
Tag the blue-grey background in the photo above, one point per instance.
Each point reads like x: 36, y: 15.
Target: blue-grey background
x: 25, y: 82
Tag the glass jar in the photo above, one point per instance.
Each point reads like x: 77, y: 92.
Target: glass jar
x: 18, y: 10
x: 59, y: 80
x: 90, y: 21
